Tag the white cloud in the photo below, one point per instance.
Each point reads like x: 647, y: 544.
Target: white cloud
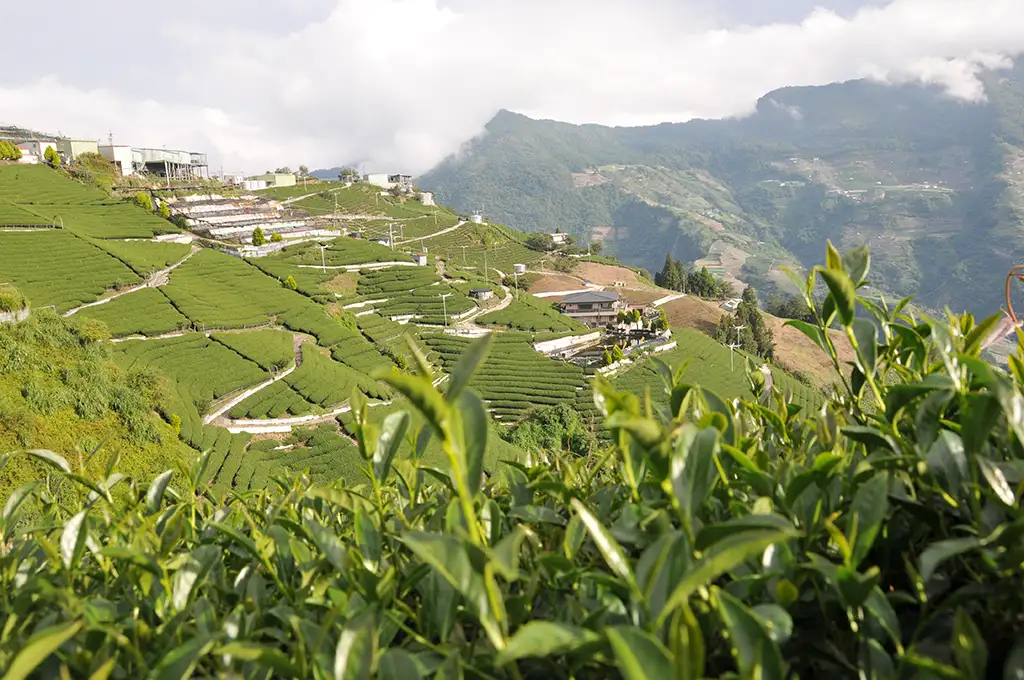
x: 400, y: 83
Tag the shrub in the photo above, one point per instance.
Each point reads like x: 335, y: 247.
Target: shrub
x: 11, y: 299
x: 276, y: 238
x: 51, y: 157
x: 290, y: 283
x: 617, y: 354
x: 143, y: 200
x: 876, y: 537
x: 164, y: 210
x: 9, y: 151
x: 258, y: 237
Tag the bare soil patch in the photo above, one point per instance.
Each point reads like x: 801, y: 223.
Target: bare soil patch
x: 609, y: 275
x: 343, y: 283
x: 550, y: 283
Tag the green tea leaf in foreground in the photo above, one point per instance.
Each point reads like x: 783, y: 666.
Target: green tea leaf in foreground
x: 545, y: 638
x: 42, y: 644
x: 638, y: 655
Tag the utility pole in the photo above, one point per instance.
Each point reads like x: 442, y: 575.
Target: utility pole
x: 463, y: 254
x: 738, y: 344
x: 487, y: 275
x: 516, y: 274
x: 323, y: 261
x: 444, y: 301
x: 391, y: 236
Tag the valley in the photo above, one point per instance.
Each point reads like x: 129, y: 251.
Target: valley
x: 932, y: 185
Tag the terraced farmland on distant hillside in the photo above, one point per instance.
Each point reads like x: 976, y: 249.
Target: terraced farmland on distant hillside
x: 200, y: 370
x: 54, y: 267
x: 143, y: 312
x: 707, y: 365
x: 515, y: 377
x: 326, y: 454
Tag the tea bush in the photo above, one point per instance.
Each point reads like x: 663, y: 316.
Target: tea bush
x: 879, y: 536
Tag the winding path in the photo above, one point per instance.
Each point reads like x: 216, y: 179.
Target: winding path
x: 436, y: 233
x: 156, y: 279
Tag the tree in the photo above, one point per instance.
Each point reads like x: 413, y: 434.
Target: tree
x: 607, y: 358
x: 165, y: 210
x: 596, y: 247
x: 669, y: 276
x: 661, y: 323
x: 303, y: 171
x: 348, y: 175
x: 540, y: 241
x: 617, y: 354
x: 143, y: 200
x: 290, y: 283
x: 754, y: 335
x: 283, y: 171
x: 258, y: 237
x: 51, y: 157
x: 276, y: 238
x: 9, y: 151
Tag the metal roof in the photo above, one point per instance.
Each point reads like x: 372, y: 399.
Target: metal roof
x: 591, y: 296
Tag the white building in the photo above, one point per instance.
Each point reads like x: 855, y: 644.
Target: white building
x: 558, y: 238
x: 420, y: 259
x: 427, y: 198
x: 477, y: 219
x: 120, y: 155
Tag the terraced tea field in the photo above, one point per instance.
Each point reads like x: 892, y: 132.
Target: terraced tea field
x: 118, y: 220
x: 515, y: 378
x: 219, y: 291
x: 326, y: 383
x: 145, y: 257
x: 200, y: 371
x: 467, y: 245
x: 528, y: 313
x: 271, y: 350
x: 275, y: 401
x: 341, y: 251
x: 707, y: 365
x: 413, y: 291
x: 142, y: 312
x: 13, y: 216
x: 54, y: 267
x: 39, y: 184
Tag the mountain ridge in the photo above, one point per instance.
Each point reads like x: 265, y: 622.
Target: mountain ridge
x: 930, y: 182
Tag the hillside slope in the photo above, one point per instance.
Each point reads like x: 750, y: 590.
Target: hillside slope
x: 935, y: 186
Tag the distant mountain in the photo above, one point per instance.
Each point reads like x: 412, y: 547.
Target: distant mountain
x: 329, y: 173
x: 934, y: 185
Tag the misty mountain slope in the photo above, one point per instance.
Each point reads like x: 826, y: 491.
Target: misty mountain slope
x: 935, y: 186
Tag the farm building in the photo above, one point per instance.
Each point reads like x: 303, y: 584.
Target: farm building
x: 593, y: 308
x: 37, y: 147
x: 481, y: 293
x: 277, y: 179
x: 730, y: 305
x: 427, y: 198
x: 159, y: 162
x: 558, y: 238
x: 71, y: 149
x: 120, y: 155
x: 420, y: 259
x: 386, y: 181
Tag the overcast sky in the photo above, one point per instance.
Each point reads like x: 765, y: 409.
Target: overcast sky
x: 398, y: 84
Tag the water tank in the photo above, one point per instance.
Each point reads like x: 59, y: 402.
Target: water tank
x: 519, y: 268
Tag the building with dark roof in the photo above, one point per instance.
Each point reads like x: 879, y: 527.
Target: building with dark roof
x: 594, y: 308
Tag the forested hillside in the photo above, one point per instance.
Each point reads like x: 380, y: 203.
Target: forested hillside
x: 934, y: 185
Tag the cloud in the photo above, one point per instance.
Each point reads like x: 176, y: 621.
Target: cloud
x: 401, y: 83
